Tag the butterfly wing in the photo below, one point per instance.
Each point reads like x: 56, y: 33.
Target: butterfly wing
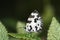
x: 34, y: 22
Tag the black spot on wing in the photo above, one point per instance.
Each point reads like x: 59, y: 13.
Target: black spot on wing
x: 36, y: 27
x: 38, y: 16
x: 30, y: 28
x: 35, y: 20
x: 28, y: 21
x: 33, y: 30
x: 38, y: 24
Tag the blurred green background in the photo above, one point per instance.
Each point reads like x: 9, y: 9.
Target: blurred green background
x: 13, y: 11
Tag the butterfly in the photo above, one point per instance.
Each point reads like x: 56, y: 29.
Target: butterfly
x: 34, y: 22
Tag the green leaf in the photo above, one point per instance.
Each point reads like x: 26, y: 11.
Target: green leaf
x: 26, y: 36
x: 20, y: 27
x: 12, y: 38
x: 54, y: 30
x: 3, y: 32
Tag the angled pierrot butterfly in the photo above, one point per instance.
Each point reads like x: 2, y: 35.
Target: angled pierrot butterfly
x: 34, y: 22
